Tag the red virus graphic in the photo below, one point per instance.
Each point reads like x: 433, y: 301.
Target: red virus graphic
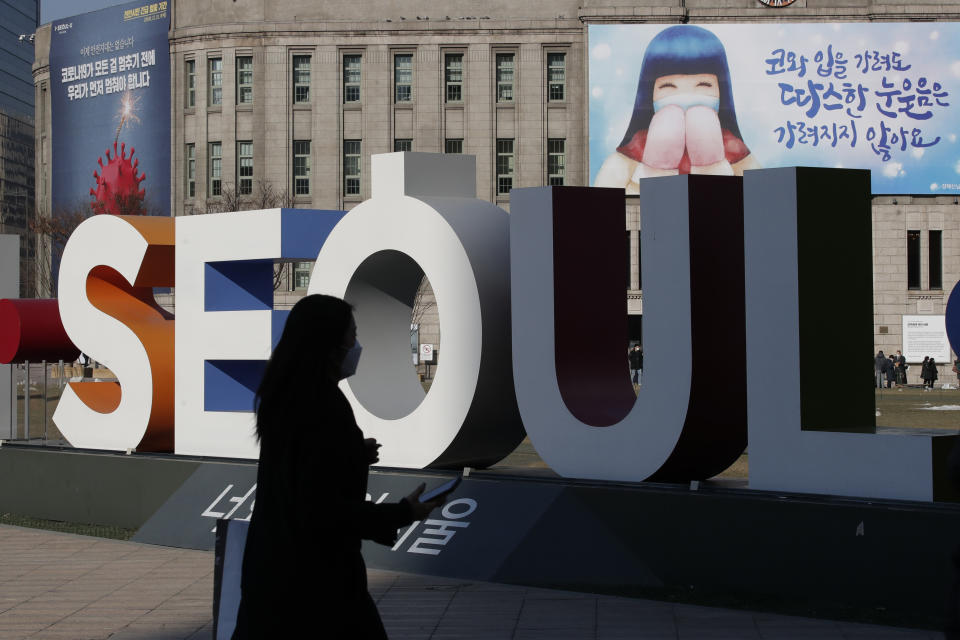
x: 118, y: 184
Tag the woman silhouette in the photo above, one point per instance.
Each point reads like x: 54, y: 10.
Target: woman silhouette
x: 303, y: 574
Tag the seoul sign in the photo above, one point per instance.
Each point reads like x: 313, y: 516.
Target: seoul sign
x: 734, y: 285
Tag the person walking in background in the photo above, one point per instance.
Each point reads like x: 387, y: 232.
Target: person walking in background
x: 636, y: 365
x: 956, y: 370
x: 928, y: 371
x: 303, y: 574
x: 891, y: 371
x: 901, y: 369
x: 878, y: 368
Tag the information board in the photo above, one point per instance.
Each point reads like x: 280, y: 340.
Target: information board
x: 925, y: 336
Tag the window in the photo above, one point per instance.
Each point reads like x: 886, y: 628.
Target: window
x: 215, y: 164
x: 403, y: 77
x: 936, y: 259
x: 191, y: 78
x: 351, y: 167
x: 453, y: 145
x: 301, y: 79
x: 913, y: 259
x: 245, y: 168
x: 556, y: 76
x: 301, y: 167
x: 504, y: 77
x: 639, y: 260
x: 629, y: 256
x: 453, y: 76
x: 215, y: 96
x: 301, y: 274
x: 244, y: 80
x: 403, y: 144
x: 555, y: 161
x: 504, y: 165
x: 351, y: 79
x: 191, y: 170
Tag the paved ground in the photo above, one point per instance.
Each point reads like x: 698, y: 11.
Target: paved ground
x: 55, y: 585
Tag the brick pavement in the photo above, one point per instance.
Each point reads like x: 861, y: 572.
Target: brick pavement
x: 55, y: 585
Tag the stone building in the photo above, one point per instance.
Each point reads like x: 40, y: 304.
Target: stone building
x: 297, y: 95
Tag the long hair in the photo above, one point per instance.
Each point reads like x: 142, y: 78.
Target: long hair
x: 312, y: 335
x: 682, y: 49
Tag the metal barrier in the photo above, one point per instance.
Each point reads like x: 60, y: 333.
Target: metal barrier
x: 35, y: 388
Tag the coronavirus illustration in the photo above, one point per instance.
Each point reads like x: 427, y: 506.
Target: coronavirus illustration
x: 118, y: 183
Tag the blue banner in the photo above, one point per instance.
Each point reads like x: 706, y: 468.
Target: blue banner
x: 110, y: 104
x: 722, y: 99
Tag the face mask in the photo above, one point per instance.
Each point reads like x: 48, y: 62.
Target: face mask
x: 687, y: 100
x: 350, y: 361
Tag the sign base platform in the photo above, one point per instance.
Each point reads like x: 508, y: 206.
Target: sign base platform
x: 722, y: 544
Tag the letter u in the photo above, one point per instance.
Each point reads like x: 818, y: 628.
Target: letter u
x: 570, y: 329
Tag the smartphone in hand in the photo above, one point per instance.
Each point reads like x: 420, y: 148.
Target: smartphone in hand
x: 442, y: 490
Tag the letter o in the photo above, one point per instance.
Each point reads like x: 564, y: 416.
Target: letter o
x: 450, y: 514
x: 424, y: 218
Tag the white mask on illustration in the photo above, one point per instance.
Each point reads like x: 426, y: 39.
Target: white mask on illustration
x: 350, y: 361
x: 687, y: 100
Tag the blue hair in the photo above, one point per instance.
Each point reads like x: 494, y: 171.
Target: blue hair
x: 682, y: 49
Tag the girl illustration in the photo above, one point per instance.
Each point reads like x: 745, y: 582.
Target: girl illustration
x: 683, y: 116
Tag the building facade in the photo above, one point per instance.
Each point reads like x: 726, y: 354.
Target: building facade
x: 17, y: 188
x: 294, y: 96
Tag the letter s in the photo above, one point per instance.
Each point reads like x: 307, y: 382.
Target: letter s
x: 109, y: 268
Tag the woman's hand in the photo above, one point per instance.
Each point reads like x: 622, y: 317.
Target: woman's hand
x: 372, y: 449
x: 666, y: 138
x: 704, y: 136
x: 422, y: 509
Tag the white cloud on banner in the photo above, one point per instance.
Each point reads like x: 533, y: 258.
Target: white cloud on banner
x: 893, y: 170
x: 601, y: 51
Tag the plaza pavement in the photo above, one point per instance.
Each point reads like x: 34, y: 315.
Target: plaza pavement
x: 64, y: 586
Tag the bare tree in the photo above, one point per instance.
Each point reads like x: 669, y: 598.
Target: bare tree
x: 124, y: 204
x: 47, y: 236
x: 423, y: 302
x: 264, y: 196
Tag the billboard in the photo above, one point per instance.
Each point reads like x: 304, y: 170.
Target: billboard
x: 110, y: 110
x: 728, y: 97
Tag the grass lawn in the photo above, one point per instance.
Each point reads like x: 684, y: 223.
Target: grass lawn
x: 918, y: 409
x: 911, y: 408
